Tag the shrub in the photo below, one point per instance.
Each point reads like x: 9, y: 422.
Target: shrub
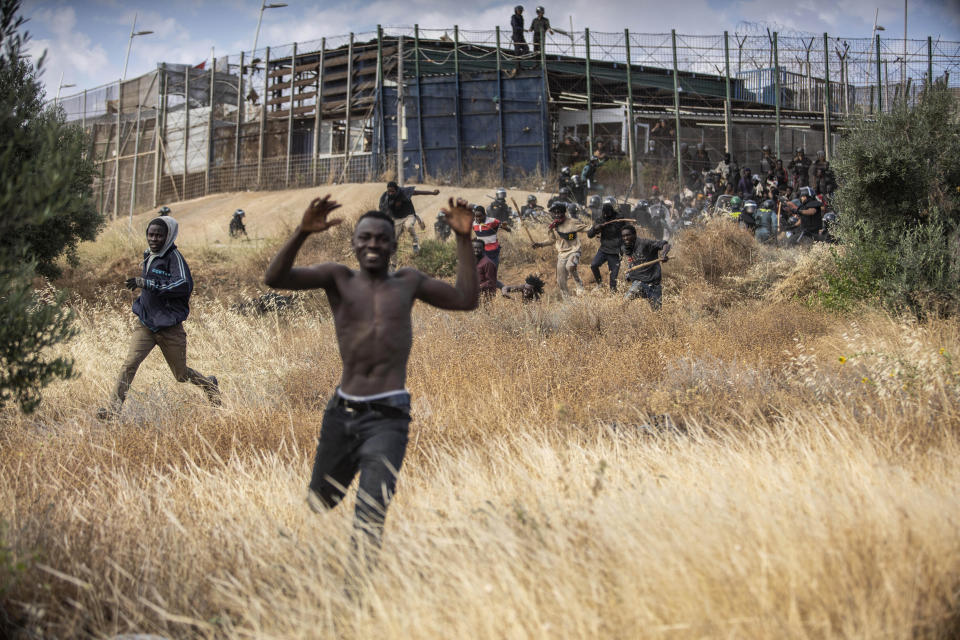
x: 899, y: 207
x: 438, y: 259
x: 47, y: 210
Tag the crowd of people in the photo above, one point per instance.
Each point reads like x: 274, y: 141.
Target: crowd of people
x: 776, y: 209
x: 366, y: 421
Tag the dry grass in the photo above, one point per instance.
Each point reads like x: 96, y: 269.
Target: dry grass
x: 805, y: 486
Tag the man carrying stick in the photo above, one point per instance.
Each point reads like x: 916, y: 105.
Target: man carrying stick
x: 609, y: 229
x: 367, y: 419
x: 643, y: 262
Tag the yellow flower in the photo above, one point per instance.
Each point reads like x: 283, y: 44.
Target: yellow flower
x: 842, y: 359
x: 865, y: 380
x: 942, y: 351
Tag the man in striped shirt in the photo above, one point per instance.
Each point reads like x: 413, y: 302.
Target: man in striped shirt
x: 486, y: 229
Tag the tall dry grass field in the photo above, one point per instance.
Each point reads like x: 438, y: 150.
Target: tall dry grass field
x: 739, y: 465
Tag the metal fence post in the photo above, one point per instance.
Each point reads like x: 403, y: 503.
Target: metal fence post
x: 544, y: 111
x: 116, y: 163
x: 500, y: 138
x: 586, y: 35
x: 456, y: 108
x: 676, y: 110
x: 727, y: 116
x: 631, y: 131
x: 293, y: 78
x: 400, y: 111
x: 346, y: 133
x: 83, y: 121
x: 160, y: 126
x: 776, y: 89
x: 186, y: 127
x: 136, y: 158
x: 826, y: 96
x: 236, y: 137
x: 263, y: 118
x: 318, y: 110
x: 416, y: 65
x: 206, y: 177
x: 929, y: 61
x: 879, y: 79
x: 379, y: 124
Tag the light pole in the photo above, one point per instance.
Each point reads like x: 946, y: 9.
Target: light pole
x: 116, y: 168
x: 133, y: 33
x: 263, y: 7
x: 256, y: 37
x: 873, y: 38
x: 60, y: 87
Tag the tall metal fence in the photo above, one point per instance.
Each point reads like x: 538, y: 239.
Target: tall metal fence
x: 317, y: 112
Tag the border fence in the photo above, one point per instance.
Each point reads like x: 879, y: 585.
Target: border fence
x: 457, y: 105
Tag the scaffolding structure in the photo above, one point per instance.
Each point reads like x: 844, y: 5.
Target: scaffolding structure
x: 452, y: 104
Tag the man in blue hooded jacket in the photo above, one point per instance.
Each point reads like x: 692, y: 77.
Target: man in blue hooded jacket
x: 163, y: 304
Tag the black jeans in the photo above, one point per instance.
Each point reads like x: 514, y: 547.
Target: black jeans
x: 613, y: 263
x: 367, y: 437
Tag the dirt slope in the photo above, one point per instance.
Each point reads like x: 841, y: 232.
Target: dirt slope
x: 271, y: 213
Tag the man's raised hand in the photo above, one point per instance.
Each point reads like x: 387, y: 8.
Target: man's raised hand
x: 459, y: 216
x: 315, y: 217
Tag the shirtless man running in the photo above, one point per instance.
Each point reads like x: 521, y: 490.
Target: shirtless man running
x: 367, y: 419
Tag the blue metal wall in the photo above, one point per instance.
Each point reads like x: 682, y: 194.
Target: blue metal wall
x: 474, y: 137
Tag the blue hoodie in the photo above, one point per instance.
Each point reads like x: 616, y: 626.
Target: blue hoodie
x: 164, y: 300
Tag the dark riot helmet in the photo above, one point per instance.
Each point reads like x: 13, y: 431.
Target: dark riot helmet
x: 699, y: 146
x: 564, y: 192
x: 609, y: 207
x: 577, y: 179
x: 531, y: 199
x: 518, y: 8
x: 767, y: 204
x: 805, y: 191
x: 594, y: 202
x: 565, y: 171
x: 821, y: 155
x: 558, y: 207
x: 501, y: 194
x: 239, y: 213
x: 164, y: 211
x: 765, y: 148
x: 573, y: 209
x: 750, y: 207
x: 540, y: 10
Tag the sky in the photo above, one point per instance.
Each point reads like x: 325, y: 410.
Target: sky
x: 86, y: 40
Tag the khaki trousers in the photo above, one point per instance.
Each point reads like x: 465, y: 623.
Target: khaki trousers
x: 173, y: 345
x: 567, y: 267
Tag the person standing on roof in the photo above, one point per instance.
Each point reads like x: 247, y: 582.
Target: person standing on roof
x: 540, y: 26
x: 520, y: 47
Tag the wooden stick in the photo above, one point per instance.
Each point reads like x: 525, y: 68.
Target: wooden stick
x: 644, y: 264
x: 617, y: 220
x: 514, y: 201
